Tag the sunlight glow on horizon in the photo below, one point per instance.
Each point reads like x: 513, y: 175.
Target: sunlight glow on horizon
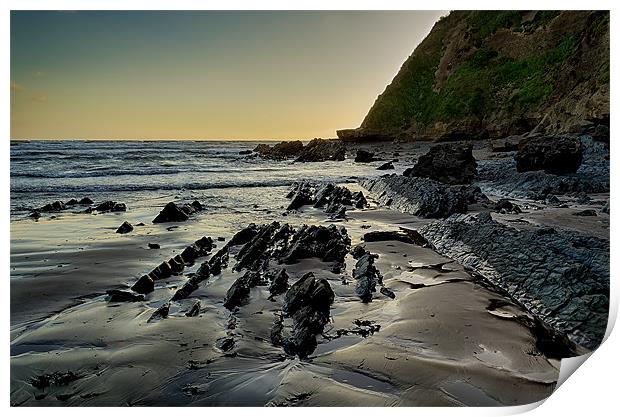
x: 209, y: 75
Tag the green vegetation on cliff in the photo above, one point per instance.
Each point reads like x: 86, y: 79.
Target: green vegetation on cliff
x: 477, y: 67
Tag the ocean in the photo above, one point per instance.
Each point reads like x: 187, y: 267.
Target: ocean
x: 139, y: 172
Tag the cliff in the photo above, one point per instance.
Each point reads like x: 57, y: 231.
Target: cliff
x: 492, y: 74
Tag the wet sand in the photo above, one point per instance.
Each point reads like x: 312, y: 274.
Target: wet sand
x: 443, y: 340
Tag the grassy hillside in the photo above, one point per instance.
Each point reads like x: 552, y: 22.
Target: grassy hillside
x: 493, y: 73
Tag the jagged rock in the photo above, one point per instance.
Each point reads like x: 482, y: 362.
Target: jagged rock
x: 367, y: 277
x: 71, y: 202
x: 402, y: 235
x: 358, y: 251
x: 35, y: 215
x: 328, y: 196
x: 161, y: 313
x: 112, y: 206
x: 555, y: 155
x: 244, y: 235
x: 279, y: 284
x: 204, y: 245
x: 282, y: 150
x: 585, y: 213
x: 126, y: 227
x: 197, y: 205
x: 225, y: 344
x: 506, y: 206
x: 154, y: 246
x: 388, y: 292
x: 219, y: 261
x: 51, y: 207
x: 245, y: 152
x: 144, y: 285
x: 339, y: 213
x: 190, y: 254
x: 121, y: 296
x: 162, y: 271
x: 318, y: 150
x: 329, y: 244
x: 561, y: 276
x: 385, y: 166
x: 359, y: 201
x: 364, y: 156
x: 171, y: 213
x: 301, y: 197
x: 256, y: 249
x: 194, y: 311
x: 418, y: 196
x: 86, y: 201
x: 176, y: 265
x: 307, y: 302
x: 239, y: 291
x: 448, y: 163
x: 276, y: 331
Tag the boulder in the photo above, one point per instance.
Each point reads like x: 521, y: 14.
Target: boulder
x: 144, y: 285
x: 367, y: 276
x: 555, y: 155
x: 329, y: 244
x: 126, y: 227
x: 194, y: 311
x: 448, y: 163
x: 110, y: 206
x: 318, y: 150
x: 51, y: 207
x: 385, y: 166
x: 388, y: 292
x: 86, y: 201
x: 363, y: 156
x: 279, y: 283
x: 154, y: 246
x: 71, y: 202
x: 239, y: 291
x: 282, y: 150
x: 505, y: 206
x: 171, y: 213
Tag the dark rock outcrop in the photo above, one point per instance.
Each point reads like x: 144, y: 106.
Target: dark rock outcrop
x: 418, y: 196
x: 561, y: 276
x: 318, y: 150
x: 122, y: 296
x: 144, y: 285
x: 239, y: 291
x: 386, y: 166
x: 110, y: 206
x: 447, y: 163
x: 403, y: 235
x: 173, y: 213
x: 328, y: 196
x: 279, y: 283
x: 330, y: 244
x: 161, y: 313
x: 126, y: 227
x: 506, y: 206
x: 367, y: 277
x: 364, y: 156
x: 554, y: 155
x: 282, y: 150
x: 308, y: 302
x: 194, y: 310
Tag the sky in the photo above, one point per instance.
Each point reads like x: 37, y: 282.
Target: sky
x: 203, y: 74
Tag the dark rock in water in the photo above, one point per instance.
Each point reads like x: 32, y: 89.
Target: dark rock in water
x: 154, y: 246
x: 279, y: 284
x: 126, y: 227
x: 71, y: 202
x: 301, y: 197
x: 506, y: 206
x: 552, y: 200
x: 197, y: 205
x: 402, y: 235
x: 51, y: 207
x: 326, y: 243
x: 35, y: 215
x: 388, y: 292
x: 555, y: 155
x: 318, y: 150
x: 418, y: 196
x: 386, y: 166
x: 121, y: 296
x: 358, y: 251
x: 171, y: 213
x: 111, y: 206
x: 307, y: 302
x: 585, y: 213
x: 54, y: 378
x: 140, y: 224
x: 364, y: 156
x: 561, y: 276
x: 225, y: 344
x: 282, y: 150
x: 245, y: 152
x: 367, y: 277
x: 194, y: 311
x: 86, y: 201
x: 161, y: 313
x: 221, y: 238
x: 144, y: 285
x: 448, y: 163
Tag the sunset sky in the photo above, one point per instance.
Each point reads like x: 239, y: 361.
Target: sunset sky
x: 201, y: 74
